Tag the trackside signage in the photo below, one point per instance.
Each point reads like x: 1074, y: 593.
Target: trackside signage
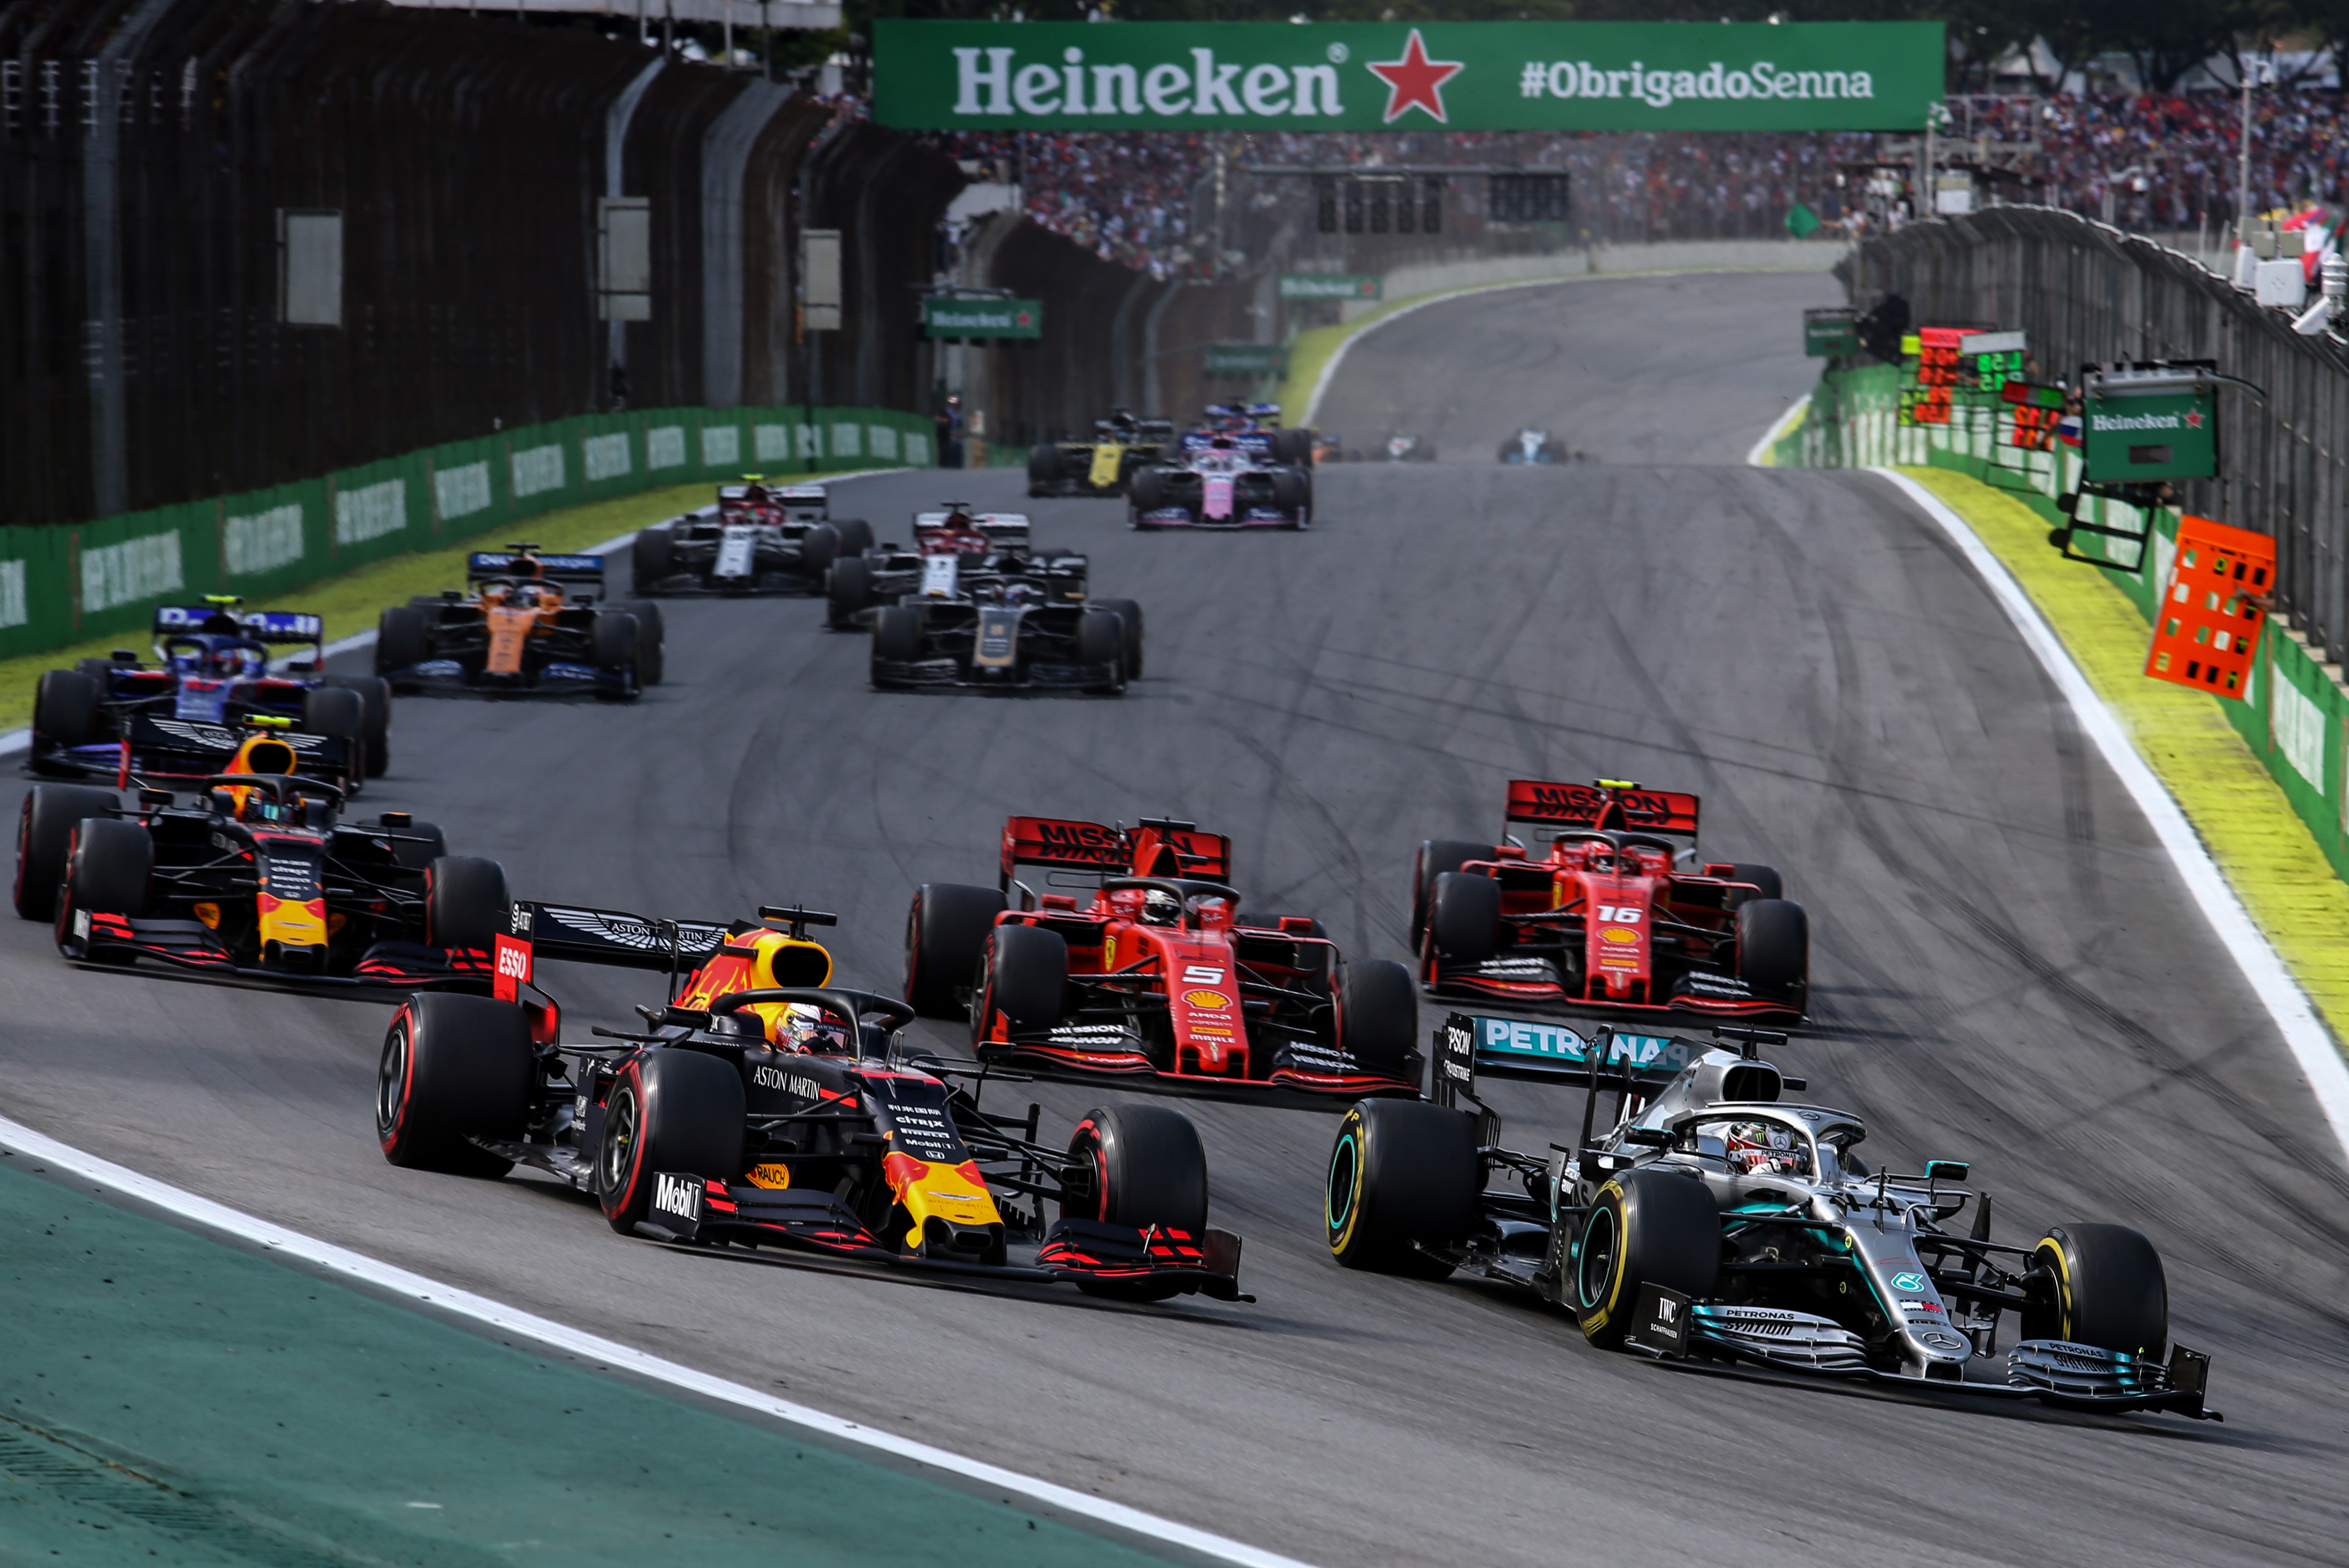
x: 1376, y: 76
x: 946, y: 316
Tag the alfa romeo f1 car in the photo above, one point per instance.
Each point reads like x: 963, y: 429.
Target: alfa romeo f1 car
x: 259, y: 878
x: 1606, y: 915
x: 956, y: 552
x: 756, y: 538
x: 1101, y: 466
x: 1154, y: 974
x: 523, y: 628
x: 765, y: 1107
x: 1711, y: 1219
x: 183, y: 716
x: 1222, y: 484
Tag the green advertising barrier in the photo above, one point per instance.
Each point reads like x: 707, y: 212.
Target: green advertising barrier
x: 1375, y: 76
x: 65, y: 583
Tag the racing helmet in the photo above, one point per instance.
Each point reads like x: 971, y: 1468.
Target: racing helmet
x: 804, y: 1027
x: 229, y: 661
x: 1161, y: 907
x: 1764, y: 1148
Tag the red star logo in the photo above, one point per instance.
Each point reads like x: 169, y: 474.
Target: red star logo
x: 2194, y: 420
x: 1415, y: 81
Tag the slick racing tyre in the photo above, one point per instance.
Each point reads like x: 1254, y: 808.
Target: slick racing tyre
x: 1774, y: 945
x: 453, y: 1068
x: 1044, y: 469
x: 1463, y: 915
x: 1377, y: 1016
x: 1292, y: 489
x: 400, y: 639
x: 45, y: 829
x: 1129, y: 612
x: 375, y: 698
x: 1138, y: 1165
x: 1766, y: 881
x: 1149, y: 490
x: 896, y: 639
x: 650, y: 559
x: 1023, y: 975
x: 945, y: 932
x: 855, y: 536
x: 64, y: 708
x: 674, y: 1111
x: 465, y: 904
x: 1101, y: 639
x: 819, y: 548
x: 848, y: 589
x: 652, y: 635
x: 110, y: 864
x: 1437, y: 856
x: 1401, y: 1172
x: 1646, y: 1227
x: 2100, y: 1286
x: 417, y: 856
x: 614, y: 639
x: 341, y: 715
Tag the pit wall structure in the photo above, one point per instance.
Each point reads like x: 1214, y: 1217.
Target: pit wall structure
x: 2294, y: 714
x: 65, y: 583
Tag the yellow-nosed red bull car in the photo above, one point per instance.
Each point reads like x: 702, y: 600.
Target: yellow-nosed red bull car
x: 767, y: 1106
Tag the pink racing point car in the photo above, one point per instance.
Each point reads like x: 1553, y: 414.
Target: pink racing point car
x: 1221, y: 483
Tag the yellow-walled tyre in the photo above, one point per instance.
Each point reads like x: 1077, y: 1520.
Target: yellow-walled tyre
x: 2103, y: 1286
x: 1646, y: 1227
x: 1401, y: 1172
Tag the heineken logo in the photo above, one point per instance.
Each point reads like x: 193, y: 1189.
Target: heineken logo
x: 992, y: 82
x: 2139, y: 421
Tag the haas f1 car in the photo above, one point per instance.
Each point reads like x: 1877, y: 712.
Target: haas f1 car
x: 259, y: 879
x: 1714, y: 1219
x: 1606, y: 915
x: 1154, y: 974
x: 518, y: 631
x: 756, y: 538
x: 1101, y: 466
x: 183, y: 717
x: 765, y: 1107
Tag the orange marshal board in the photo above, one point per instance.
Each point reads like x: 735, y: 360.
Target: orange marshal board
x: 2205, y: 635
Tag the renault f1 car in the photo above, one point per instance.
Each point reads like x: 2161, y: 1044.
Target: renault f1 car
x: 261, y: 878
x: 756, y: 538
x: 1101, y: 466
x: 766, y: 1106
x: 1606, y: 915
x: 182, y: 717
x: 1222, y: 484
x: 523, y: 627
x: 1713, y: 1220
x: 1155, y: 975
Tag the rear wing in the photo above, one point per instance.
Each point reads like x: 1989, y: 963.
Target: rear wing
x: 580, y: 570
x: 1466, y: 1044
x: 261, y: 626
x: 1151, y: 847
x: 1603, y: 805
x: 158, y: 739
x: 580, y: 935
x: 1000, y: 527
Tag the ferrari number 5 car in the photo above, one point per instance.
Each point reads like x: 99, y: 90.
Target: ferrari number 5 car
x: 517, y: 632
x: 765, y: 1107
x: 1714, y: 1219
x: 1155, y: 974
x: 1606, y: 916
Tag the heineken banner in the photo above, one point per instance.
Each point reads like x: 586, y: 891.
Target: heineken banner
x: 952, y: 315
x: 1328, y: 285
x: 1374, y: 76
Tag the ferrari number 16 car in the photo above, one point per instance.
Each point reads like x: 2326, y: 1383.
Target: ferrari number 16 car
x: 756, y: 538
x: 516, y: 632
x: 1714, y: 1219
x: 765, y: 1107
x: 1155, y: 974
x: 1606, y: 917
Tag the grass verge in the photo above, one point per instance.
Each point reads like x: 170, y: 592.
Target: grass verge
x: 2234, y: 804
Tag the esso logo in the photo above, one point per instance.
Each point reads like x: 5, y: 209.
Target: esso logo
x: 1206, y: 999
x: 1618, y: 934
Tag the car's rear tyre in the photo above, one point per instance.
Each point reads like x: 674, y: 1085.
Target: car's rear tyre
x: 819, y: 548
x: 1401, y: 1172
x: 1437, y: 856
x: 1139, y: 1165
x: 855, y: 537
x: 946, y: 933
x: 652, y: 639
x: 400, y: 639
x: 1101, y: 639
x: 65, y: 707
x: 2102, y: 1285
x: 613, y: 641
x: 1130, y: 612
x: 418, y: 856
x: 650, y: 558
x: 675, y: 1111
x: 1024, y: 975
x: 1774, y: 945
x: 340, y: 715
x: 1377, y: 1016
x: 1646, y: 1227
x: 1767, y: 883
x: 465, y: 902
x: 45, y: 829
x: 897, y: 635
x: 1463, y: 915
x: 846, y: 591
x: 375, y: 698
x: 453, y: 1068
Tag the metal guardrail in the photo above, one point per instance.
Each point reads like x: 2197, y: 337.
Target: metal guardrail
x: 2088, y: 293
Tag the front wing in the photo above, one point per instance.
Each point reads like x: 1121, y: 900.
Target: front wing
x: 1115, y: 1054
x: 91, y: 938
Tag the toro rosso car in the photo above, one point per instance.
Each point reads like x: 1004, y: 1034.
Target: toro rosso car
x: 1222, y: 484
x: 1154, y: 974
x: 183, y: 716
x: 765, y: 1107
x: 756, y: 538
x: 259, y: 879
x: 1101, y: 466
x: 523, y: 628
x: 1708, y: 1218
x: 1606, y: 915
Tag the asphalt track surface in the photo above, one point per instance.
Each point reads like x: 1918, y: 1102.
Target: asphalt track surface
x: 2005, y: 971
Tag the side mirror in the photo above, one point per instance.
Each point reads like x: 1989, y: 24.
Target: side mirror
x: 1946, y: 1169
x: 1648, y: 1137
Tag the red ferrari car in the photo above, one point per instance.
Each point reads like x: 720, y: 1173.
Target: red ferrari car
x: 1151, y: 970
x: 1610, y: 914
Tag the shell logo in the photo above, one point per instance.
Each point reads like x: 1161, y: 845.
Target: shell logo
x: 1618, y: 934
x: 1206, y: 999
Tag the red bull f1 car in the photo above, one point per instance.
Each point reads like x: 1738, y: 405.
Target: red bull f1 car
x: 1705, y: 1217
x: 259, y: 878
x: 765, y: 1107
x: 523, y: 627
x: 1152, y: 972
x: 1608, y: 914
x: 755, y: 538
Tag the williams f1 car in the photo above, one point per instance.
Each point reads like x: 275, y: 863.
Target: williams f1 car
x: 1714, y: 1220
x: 1606, y: 915
x: 1533, y: 446
x: 523, y: 628
x: 1101, y: 466
x: 182, y: 717
x: 259, y: 879
x: 756, y: 538
x: 1223, y: 484
x: 765, y: 1107
x: 1154, y: 974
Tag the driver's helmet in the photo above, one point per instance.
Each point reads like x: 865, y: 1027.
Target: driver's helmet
x: 229, y: 662
x: 1764, y: 1148
x: 1022, y: 594
x: 524, y: 566
x: 1161, y: 907
x: 804, y: 1027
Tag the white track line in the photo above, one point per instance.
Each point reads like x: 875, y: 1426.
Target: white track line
x: 610, y: 1353
x: 2320, y: 1060
x: 1760, y: 449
